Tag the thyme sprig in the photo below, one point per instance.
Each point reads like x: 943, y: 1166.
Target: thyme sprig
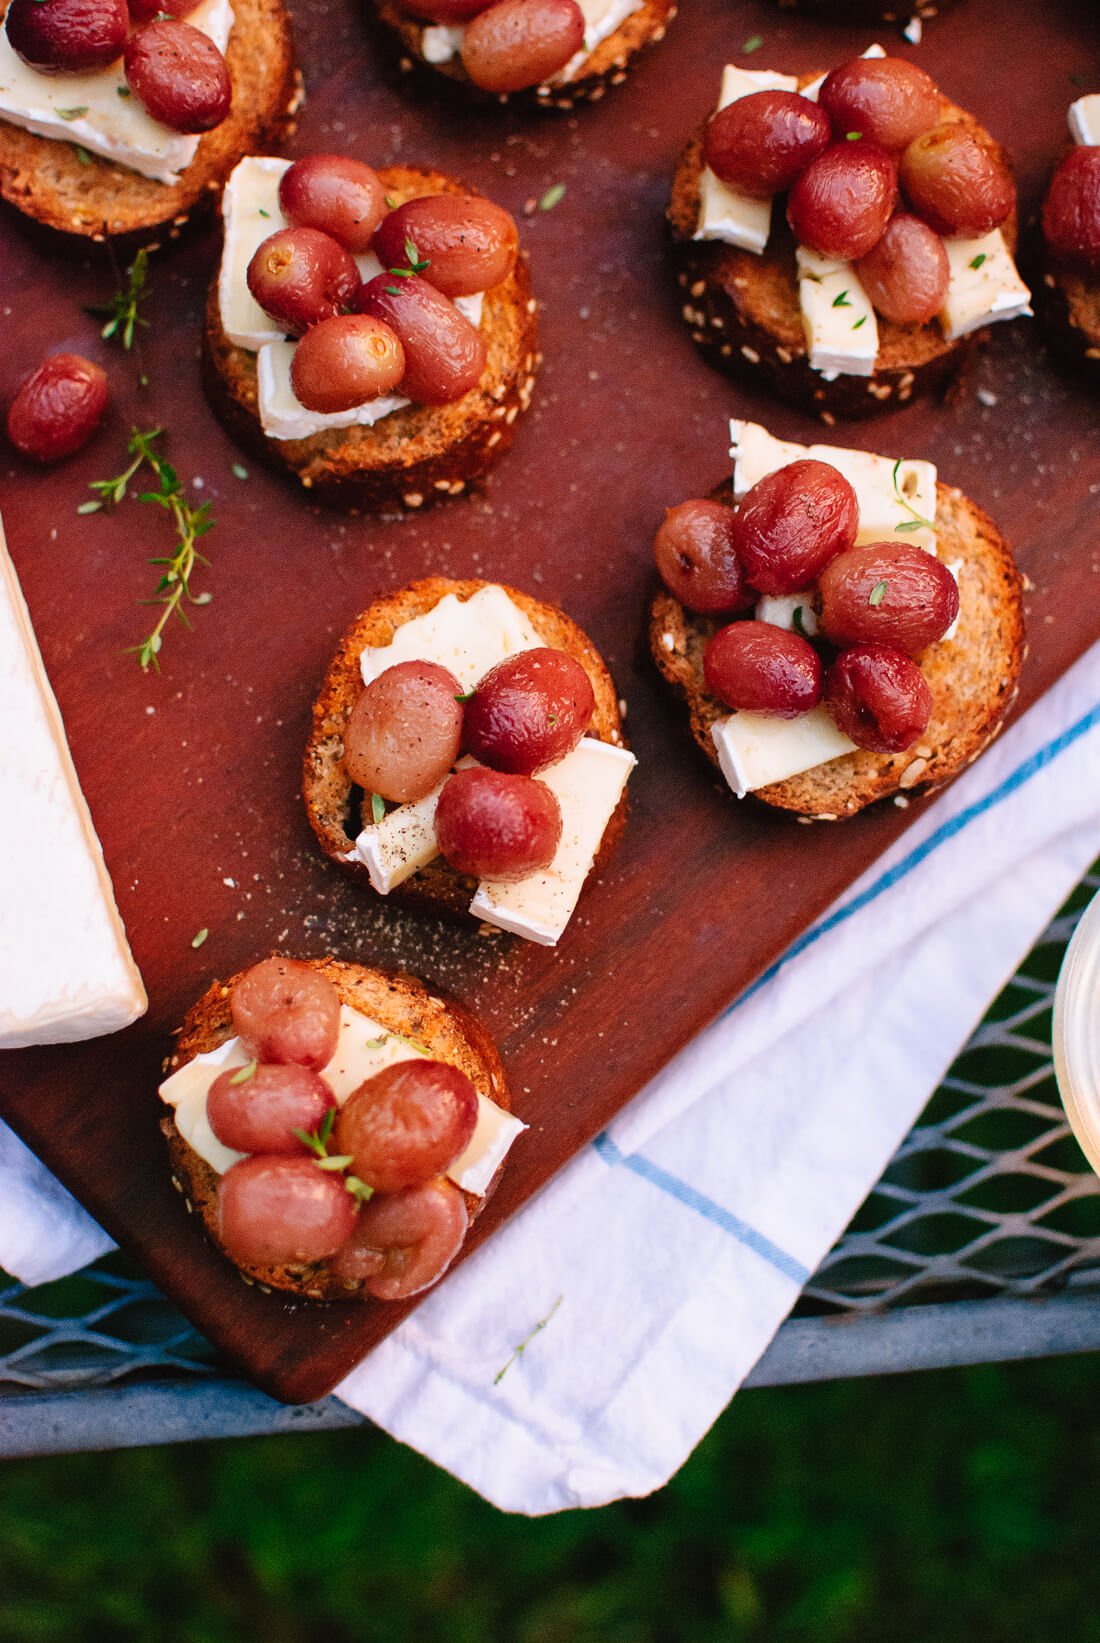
x: 316, y: 1141
x: 123, y: 312
x: 918, y: 521
x: 526, y: 1341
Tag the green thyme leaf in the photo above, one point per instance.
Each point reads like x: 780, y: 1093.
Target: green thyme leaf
x: 123, y: 91
x: 976, y: 262
x: 358, y: 1189
x: 377, y: 807
x: 862, y: 320
x: 753, y: 43
x: 394, y: 290
x: 334, y: 1161
x: 554, y: 195
x: 468, y: 696
x: 877, y: 594
x: 82, y: 154
x: 239, y: 471
x: 390, y: 201
x: 841, y: 300
x: 797, y: 622
x: 196, y: 941
x: 526, y: 1341
x: 853, y: 136
x: 326, y: 1125
x: 912, y: 525
x: 245, y: 1073
x: 72, y: 113
x: 377, y: 1043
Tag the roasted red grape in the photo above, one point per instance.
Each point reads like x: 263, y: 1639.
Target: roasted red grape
x: 346, y: 361
x: 886, y: 99
x: 276, y: 1211
x: 496, y: 826
x: 906, y: 273
x: 519, y: 43
x: 887, y: 593
x: 68, y: 36
x: 1071, y: 214
x: 696, y: 557
x: 404, y: 732
x: 145, y: 11
x: 58, y: 408
x: 468, y: 243
x: 529, y: 711
x: 405, y: 1241
x: 759, y: 668
x: 341, y: 197
x: 840, y: 205
x: 257, y: 1109
x: 300, y: 276
x: 957, y: 182
x: 445, y: 11
x: 287, y: 1011
x: 444, y: 355
x: 878, y: 698
x: 178, y: 75
x: 792, y: 523
x: 760, y: 143
x: 407, y: 1123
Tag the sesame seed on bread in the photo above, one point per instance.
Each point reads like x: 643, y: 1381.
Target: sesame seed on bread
x: 334, y: 806
x: 398, y: 1002
x: 973, y: 676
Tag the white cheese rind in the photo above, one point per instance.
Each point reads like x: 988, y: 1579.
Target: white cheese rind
x: 588, y: 784
x: 250, y: 212
x: 837, y: 317
x: 398, y: 846
x: 114, y: 126
x: 467, y: 636
x: 724, y: 213
x: 754, y: 751
x: 282, y: 414
x: 66, y: 971
x: 363, y: 1049
x: 980, y: 295
x: 1084, y: 120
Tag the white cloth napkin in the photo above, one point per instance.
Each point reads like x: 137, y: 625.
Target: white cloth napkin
x: 649, y: 1276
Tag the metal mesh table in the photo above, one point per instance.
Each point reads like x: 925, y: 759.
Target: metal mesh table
x: 980, y: 1242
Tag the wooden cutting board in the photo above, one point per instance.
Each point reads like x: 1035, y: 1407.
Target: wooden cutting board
x: 193, y: 775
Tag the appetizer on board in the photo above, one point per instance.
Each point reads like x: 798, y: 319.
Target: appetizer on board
x: 370, y: 334
x: 843, y: 239
x: 467, y: 755
x: 842, y: 627
x: 335, y: 1127
x: 1070, y: 296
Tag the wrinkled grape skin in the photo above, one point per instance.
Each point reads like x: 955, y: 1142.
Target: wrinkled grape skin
x: 407, y: 1123
x: 404, y: 1242
x: 144, y: 11
x: 529, y: 711
x: 758, y: 668
x: 1071, y: 212
x: 492, y: 825
x: 444, y: 355
x: 907, y: 272
x: 696, y: 557
x: 286, y: 1011
x: 518, y: 43
x: 840, y: 205
x: 340, y: 196
x: 956, y: 182
x: 917, y: 606
x: 58, y: 408
x: 878, y: 698
x: 404, y: 732
x: 886, y: 99
x: 68, y: 36
x: 344, y: 362
x: 178, y: 75
x: 261, y: 1113
x: 760, y: 143
x: 300, y: 276
x: 273, y: 1211
x: 469, y: 243
x: 792, y: 523
x: 445, y: 11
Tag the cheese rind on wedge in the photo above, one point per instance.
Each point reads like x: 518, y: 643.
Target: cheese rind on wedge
x: 1084, y: 120
x: 66, y: 971
x: 983, y: 285
x: 754, y: 751
x: 837, y: 316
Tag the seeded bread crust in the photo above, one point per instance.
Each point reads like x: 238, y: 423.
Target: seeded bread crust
x: 419, y: 454
x: 96, y: 201
x: 973, y: 677
x: 330, y: 798
x: 401, y: 1004
x: 743, y: 311
x: 606, y: 65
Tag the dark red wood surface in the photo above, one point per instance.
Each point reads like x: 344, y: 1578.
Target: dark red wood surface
x: 193, y: 775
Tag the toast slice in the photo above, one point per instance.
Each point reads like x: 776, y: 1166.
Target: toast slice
x: 416, y: 455
x: 605, y: 66
x: 743, y: 310
x: 1069, y: 311
x: 973, y: 676
x: 402, y: 1005
x: 336, y: 810
x: 90, y: 199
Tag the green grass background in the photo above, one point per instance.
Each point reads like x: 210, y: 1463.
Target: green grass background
x: 963, y: 1505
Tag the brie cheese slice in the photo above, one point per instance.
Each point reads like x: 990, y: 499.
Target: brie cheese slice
x: 837, y: 317
x: 466, y: 636
x: 754, y: 751
x: 983, y: 285
x: 442, y: 42
x: 725, y: 213
x: 1084, y: 120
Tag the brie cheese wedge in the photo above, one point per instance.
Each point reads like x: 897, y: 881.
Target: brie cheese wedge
x: 983, y: 285
x: 837, y: 317
x: 754, y: 751
x: 1084, y: 120
x: 725, y: 213
x: 466, y: 636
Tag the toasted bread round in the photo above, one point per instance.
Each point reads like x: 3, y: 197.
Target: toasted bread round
x: 973, y: 677
x: 743, y: 310
x: 91, y: 199
x: 402, y: 1005
x: 417, y: 455
x: 1069, y: 311
x: 606, y: 65
x: 333, y: 804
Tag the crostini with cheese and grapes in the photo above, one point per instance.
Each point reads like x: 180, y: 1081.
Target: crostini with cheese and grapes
x: 1069, y: 299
